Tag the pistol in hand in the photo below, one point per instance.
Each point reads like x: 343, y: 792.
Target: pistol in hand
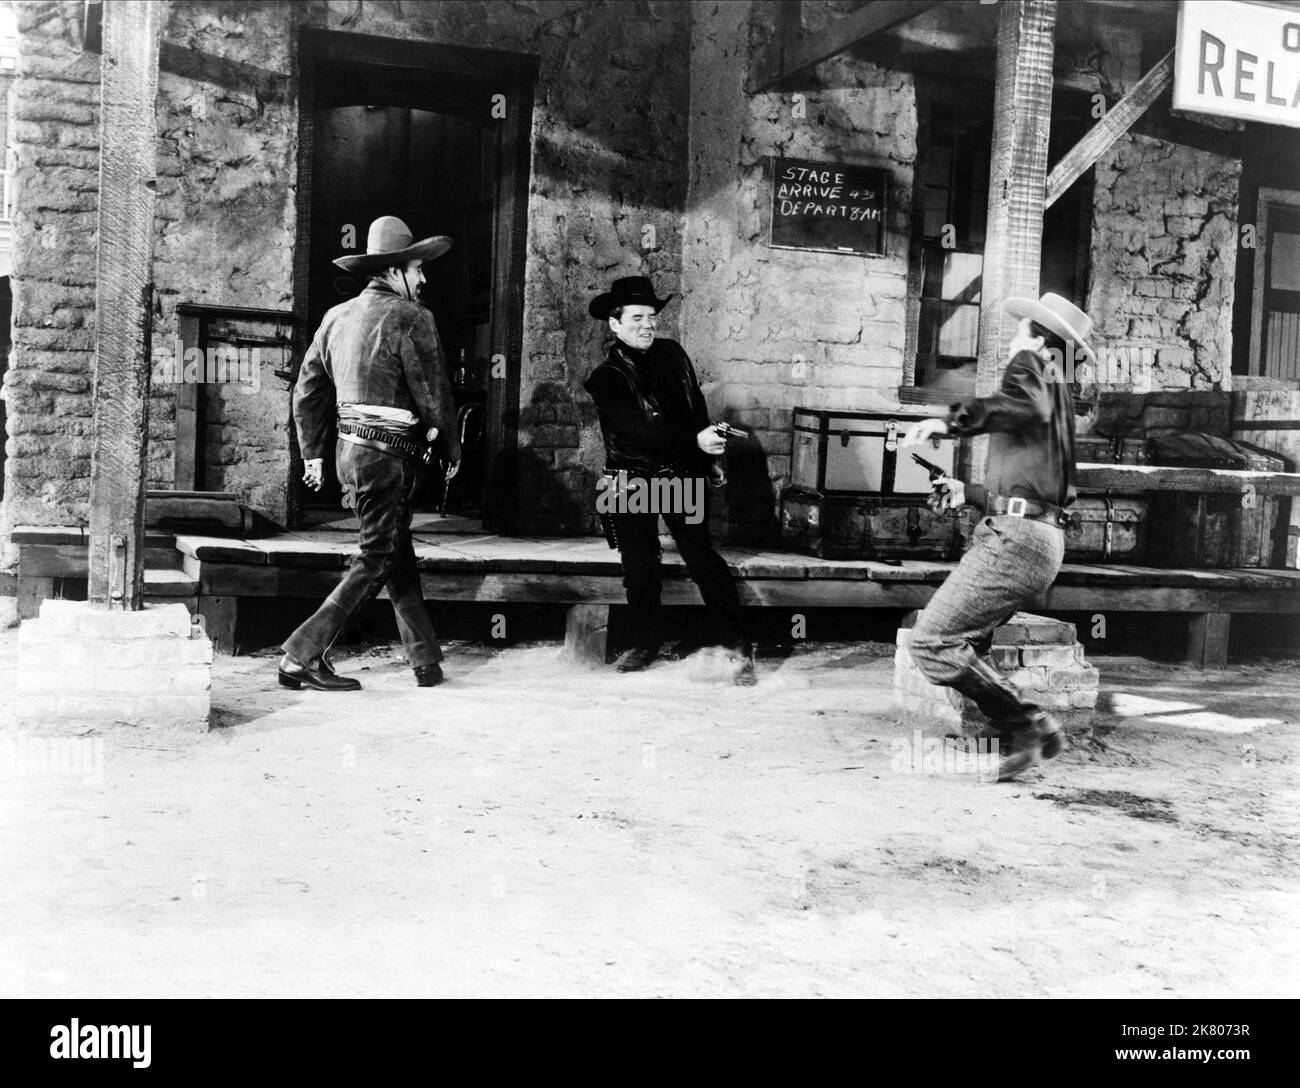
x: 728, y: 431
x: 934, y: 470
x: 947, y: 494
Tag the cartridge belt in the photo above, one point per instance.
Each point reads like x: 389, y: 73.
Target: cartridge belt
x: 395, y: 445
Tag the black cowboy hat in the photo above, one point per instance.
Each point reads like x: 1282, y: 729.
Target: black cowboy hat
x: 628, y: 291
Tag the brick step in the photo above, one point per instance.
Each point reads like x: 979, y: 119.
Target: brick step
x: 1041, y: 657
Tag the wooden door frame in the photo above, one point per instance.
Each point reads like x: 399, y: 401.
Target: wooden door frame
x: 1263, y: 199
x: 497, y: 72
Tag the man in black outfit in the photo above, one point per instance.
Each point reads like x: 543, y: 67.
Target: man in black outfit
x: 656, y: 427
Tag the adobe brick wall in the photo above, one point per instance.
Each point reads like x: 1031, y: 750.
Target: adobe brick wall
x: 748, y: 310
x: 47, y: 387
x: 1164, y: 241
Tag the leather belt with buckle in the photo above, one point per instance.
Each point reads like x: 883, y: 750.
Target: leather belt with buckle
x: 374, y: 438
x: 1017, y: 506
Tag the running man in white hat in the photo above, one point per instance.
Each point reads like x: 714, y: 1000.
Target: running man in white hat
x: 1018, y: 547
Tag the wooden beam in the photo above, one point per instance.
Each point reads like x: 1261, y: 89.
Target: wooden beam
x: 1102, y: 136
x: 129, y: 83
x: 186, y: 454
x: 1022, y: 108
x: 790, y: 55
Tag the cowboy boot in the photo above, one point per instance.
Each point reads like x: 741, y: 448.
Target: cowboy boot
x: 1034, y: 738
x: 428, y: 676
x: 638, y: 658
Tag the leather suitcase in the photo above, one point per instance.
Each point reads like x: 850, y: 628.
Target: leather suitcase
x: 846, y: 526
x: 1196, y: 450
x: 1107, y: 527
x: 841, y: 451
x: 1099, y: 449
x: 1214, y: 530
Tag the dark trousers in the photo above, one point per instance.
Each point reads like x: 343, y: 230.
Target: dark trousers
x: 1010, y: 563
x: 378, y: 485
x: 638, y: 546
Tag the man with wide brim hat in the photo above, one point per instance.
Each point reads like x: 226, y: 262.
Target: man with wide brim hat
x: 390, y: 242
x: 659, y: 447
x: 627, y: 291
x: 1018, y: 546
x: 1057, y: 315
x: 375, y: 372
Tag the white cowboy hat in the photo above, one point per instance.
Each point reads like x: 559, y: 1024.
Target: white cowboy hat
x: 1058, y: 314
x: 390, y: 242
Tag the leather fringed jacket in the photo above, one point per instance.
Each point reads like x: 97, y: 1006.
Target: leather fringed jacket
x: 651, y: 410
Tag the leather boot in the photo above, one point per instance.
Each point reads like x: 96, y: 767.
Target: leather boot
x: 321, y: 677
x: 741, y: 659
x: 1033, y: 739
x: 428, y: 676
x: 638, y: 658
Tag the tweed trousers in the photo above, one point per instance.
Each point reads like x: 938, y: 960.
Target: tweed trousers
x: 1010, y: 563
x: 379, y: 487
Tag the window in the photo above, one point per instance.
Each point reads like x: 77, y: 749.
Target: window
x: 953, y: 202
x: 1275, y: 316
x: 948, y: 233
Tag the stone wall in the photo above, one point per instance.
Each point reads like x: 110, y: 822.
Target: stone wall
x: 772, y: 329
x: 1163, y: 263
x: 47, y: 388
x: 608, y: 163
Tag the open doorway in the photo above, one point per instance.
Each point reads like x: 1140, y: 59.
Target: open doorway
x: 438, y: 136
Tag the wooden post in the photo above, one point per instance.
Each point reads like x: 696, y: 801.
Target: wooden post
x: 129, y: 82
x: 1207, y: 640
x: 1022, y: 107
x: 585, y: 632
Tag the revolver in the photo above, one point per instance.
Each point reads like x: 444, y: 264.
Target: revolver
x: 728, y: 431
x: 936, y: 474
x: 934, y: 470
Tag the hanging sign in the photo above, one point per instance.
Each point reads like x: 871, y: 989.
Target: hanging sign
x: 1238, y: 60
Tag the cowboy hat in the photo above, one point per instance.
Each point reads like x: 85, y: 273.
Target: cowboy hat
x: 391, y: 242
x: 628, y: 291
x: 1057, y: 314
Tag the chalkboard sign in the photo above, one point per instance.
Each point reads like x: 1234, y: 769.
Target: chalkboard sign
x: 828, y: 206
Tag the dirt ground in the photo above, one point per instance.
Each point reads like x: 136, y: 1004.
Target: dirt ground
x: 531, y: 828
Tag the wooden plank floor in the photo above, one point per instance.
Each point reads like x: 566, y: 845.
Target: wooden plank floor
x: 486, y: 553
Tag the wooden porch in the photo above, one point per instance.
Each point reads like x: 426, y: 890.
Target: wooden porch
x: 212, y: 575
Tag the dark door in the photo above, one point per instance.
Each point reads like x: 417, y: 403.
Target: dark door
x: 438, y: 137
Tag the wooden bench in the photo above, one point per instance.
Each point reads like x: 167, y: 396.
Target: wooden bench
x: 213, y: 574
